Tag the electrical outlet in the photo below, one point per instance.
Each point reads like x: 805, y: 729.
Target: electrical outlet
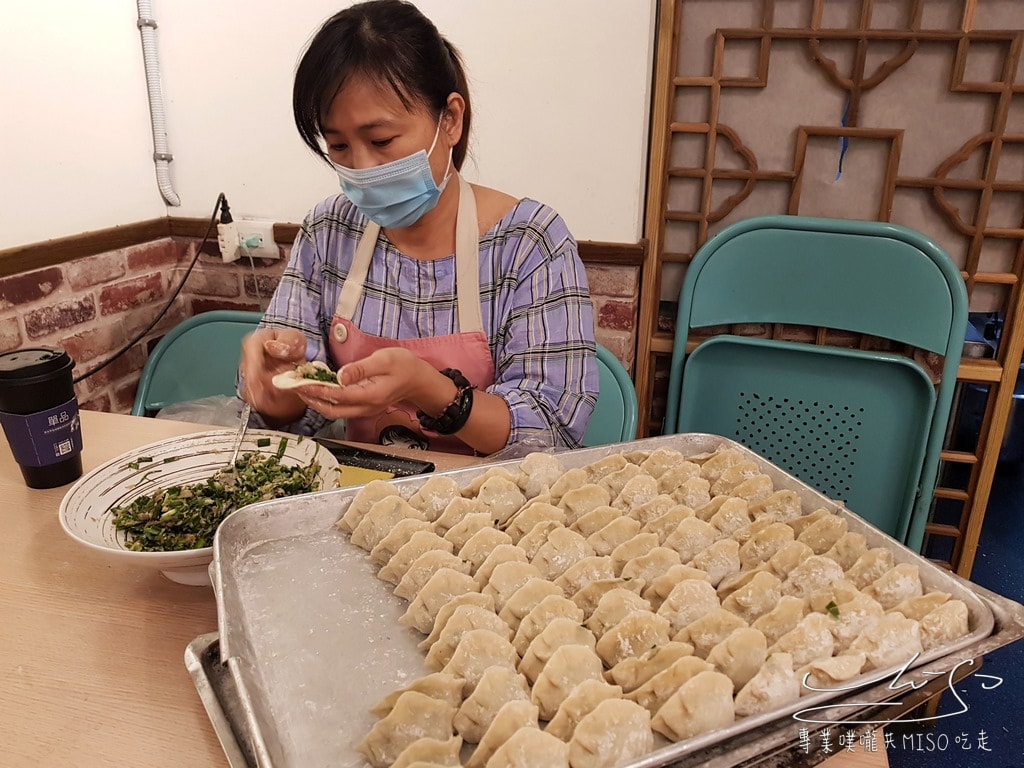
x: 227, y: 240
x: 256, y: 239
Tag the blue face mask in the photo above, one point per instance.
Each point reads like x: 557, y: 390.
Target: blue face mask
x: 396, y: 194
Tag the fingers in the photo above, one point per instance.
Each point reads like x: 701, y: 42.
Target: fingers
x: 287, y: 345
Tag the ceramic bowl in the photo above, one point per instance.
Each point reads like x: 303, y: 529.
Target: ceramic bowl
x: 85, y: 509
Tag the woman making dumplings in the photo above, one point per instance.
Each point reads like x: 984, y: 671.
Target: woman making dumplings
x: 458, y: 317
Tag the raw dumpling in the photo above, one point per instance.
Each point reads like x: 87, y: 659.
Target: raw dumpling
x: 430, y: 752
x: 472, y: 488
x: 535, y: 538
x: 447, y: 610
x: 530, y: 748
x: 581, y: 700
x: 539, y: 472
x: 583, y: 572
x: 439, y: 590
x: 788, y: 557
x: 453, y: 514
x: 522, y: 521
x: 501, y: 498
x: 836, y: 593
x: 740, y: 655
x: 568, y: 666
x: 804, y: 522
x: 463, y: 530
x: 497, y: 687
x: 434, y: 496
x: 512, y: 717
x: 653, y: 694
x: 612, y: 607
x: 590, y: 596
x: 709, y: 630
x: 917, y: 608
x: 782, y: 618
x: 661, y: 586
x: 573, y: 478
x: 810, y: 639
x: 782, y: 505
x: 753, y: 489
x: 758, y: 596
x: 703, y: 703
x: 829, y: 674
x: 482, y: 545
x: 618, y: 531
x: 738, y: 580
x: 892, y: 640
x: 525, y: 599
x: 944, y: 624
x: 614, y: 482
x: 811, y: 575
x: 651, y: 565
x: 640, y: 544
x: 634, y: 635
x: 652, y: 509
x: 437, y: 686
x: 559, y: 632
x: 744, y: 533
x: 596, y: 519
x: 605, y: 466
x: 692, y: 536
x: 382, y: 516
x: 638, y: 491
x: 580, y: 501
x: 504, y: 552
x: 869, y: 566
x: 764, y: 543
x: 848, y: 549
x: 713, y: 467
x: 365, y: 497
x: 687, y: 602
x: 823, y: 534
x: 478, y: 650
x: 562, y: 548
x: 418, y: 543
x: 506, y: 578
x: 731, y: 516
x: 661, y: 460
x: 900, y: 583
x: 425, y: 566
x: 616, y: 732
x: 547, y: 610
x: 733, y: 476
x: 719, y: 560
x: 414, y: 716
x: 632, y: 673
x: 666, y: 525
x: 673, y: 477
x: 694, y: 492
x: 399, y: 535
x: 464, y: 619
x: 774, y: 686
x: 852, y: 617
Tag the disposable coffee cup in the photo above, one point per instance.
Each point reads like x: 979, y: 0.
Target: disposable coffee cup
x: 39, y: 413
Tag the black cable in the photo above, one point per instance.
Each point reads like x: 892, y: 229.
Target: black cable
x: 220, y: 205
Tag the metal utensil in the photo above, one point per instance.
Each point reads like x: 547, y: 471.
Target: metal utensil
x: 241, y: 433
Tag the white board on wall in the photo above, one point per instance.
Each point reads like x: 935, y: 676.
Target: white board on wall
x: 560, y: 89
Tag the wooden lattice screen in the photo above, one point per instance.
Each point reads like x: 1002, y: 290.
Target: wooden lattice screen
x: 896, y: 110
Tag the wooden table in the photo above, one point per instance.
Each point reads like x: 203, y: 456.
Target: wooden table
x: 91, y: 652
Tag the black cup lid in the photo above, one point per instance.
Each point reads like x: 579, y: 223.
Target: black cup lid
x: 34, y: 361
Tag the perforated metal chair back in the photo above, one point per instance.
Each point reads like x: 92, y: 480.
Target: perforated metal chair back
x: 197, y: 358
x: 865, y: 428
x: 616, y: 414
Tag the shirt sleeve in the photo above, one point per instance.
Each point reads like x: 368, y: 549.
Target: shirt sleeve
x: 545, y: 361
x: 297, y: 304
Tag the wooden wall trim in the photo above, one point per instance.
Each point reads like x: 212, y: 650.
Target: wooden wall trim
x: 24, y: 258
x: 58, y: 251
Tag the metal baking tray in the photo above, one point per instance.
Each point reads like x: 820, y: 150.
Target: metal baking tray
x: 311, y: 637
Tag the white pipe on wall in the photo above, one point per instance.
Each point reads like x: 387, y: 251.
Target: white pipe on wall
x: 161, y: 150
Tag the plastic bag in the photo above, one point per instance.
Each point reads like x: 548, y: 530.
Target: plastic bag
x: 525, y: 447
x: 216, y: 410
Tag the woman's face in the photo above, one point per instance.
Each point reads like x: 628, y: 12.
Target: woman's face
x: 368, y: 125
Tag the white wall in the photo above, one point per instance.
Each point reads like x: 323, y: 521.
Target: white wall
x: 560, y: 93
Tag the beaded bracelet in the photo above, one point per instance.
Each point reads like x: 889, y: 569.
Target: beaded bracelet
x: 456, y: 413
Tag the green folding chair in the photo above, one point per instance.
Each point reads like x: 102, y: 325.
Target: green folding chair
x: 197, y: 358
x: 616, y: 413
x: 864, y: 428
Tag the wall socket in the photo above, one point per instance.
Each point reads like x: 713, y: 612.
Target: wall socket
x: 244, y: 237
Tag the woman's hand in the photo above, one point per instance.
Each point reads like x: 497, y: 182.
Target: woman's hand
x: 266, y: 353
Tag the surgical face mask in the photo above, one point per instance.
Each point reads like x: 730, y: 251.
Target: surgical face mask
x: 396, y: 194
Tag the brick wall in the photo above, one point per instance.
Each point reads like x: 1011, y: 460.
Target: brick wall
x: 93, y: 306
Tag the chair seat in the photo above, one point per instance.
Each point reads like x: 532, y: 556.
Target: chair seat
x: 852, y: 424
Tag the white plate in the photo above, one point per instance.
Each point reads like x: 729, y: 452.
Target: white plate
x: 85, y: 509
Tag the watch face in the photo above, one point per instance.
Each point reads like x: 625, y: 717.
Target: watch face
x: 403, y: 437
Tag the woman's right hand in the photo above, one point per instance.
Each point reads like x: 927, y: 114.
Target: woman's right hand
x: 266, y: 353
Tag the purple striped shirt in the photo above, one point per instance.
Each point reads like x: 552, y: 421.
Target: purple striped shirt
x: 536, y: 307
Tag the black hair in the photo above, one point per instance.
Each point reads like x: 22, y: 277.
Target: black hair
x: 390, y: 42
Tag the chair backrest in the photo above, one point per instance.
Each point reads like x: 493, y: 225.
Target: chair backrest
x: 197, y: 358
x: 865, y: 428
x: 615, y: 416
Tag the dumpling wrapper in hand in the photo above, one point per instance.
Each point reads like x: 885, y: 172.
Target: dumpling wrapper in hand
x: 306, y: 375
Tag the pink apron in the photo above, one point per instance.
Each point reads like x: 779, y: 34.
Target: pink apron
x: 467, y: 350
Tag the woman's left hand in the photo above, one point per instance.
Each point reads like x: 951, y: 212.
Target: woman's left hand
x: 371, y: 385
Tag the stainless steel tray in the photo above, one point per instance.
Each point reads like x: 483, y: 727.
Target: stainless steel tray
x: 311, y: 637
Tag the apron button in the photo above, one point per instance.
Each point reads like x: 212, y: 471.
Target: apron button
x: 340, y: 333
